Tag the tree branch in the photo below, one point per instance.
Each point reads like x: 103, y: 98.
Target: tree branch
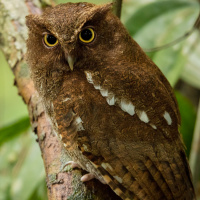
x: 195, y: 152
x: 61, y: 184
x: 117, y: 7
x: 178, y: 40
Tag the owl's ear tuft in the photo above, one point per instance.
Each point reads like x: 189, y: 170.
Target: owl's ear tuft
x: 95, y: 12
x: 104, y: 8
x: 34, y: 22
x: 100, y: 10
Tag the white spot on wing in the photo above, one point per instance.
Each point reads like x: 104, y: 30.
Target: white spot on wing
x: 123, y: 105
x: 104, y: 92
x: 167, y: 118
x: 143, y: 116
x: 61, y: 136
x: 118, y: 179
x: 67, y: 99
x: 65, y: 145
x: 80, y: 127
x: 97, y: 87
x: 153, y: 126
x: 111, y: 101
x: 89, y: 77
x: 127, y: 107
x: 106, y: 166
x: 79, y: 124
x: 79, y: 120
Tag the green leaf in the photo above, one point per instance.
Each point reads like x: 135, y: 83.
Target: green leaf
x: 13, y: 130
x: 164, y: 29
x: 30, y: 174
x: 12, y: 107
x: 41, y: 192
x: 4, y: 185
x: 191, y: 71
x: 171, y: 62
x: 151, y: 11
x: 188, y: 116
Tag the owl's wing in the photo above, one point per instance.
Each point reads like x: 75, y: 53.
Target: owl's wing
x: 130, y: 135
x: 142, y: 150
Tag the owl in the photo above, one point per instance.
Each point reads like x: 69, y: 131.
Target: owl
x: 111, y: 106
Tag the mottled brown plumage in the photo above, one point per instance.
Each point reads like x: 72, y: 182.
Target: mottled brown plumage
x: 115, y: 111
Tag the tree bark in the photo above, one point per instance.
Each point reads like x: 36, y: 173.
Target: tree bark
x: 117, y: 7
x: 61, y: 184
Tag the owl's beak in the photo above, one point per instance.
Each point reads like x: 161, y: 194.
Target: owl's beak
x: 70, y: 61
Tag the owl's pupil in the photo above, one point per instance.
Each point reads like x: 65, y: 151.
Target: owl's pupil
x: 86, y: 34
x: 51, y: 39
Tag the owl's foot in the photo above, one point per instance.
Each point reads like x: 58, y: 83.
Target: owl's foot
x: 87, y: 177
x: 84, y: 178
x: 72, y: 164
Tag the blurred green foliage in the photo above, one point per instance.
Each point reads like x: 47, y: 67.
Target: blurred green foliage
x: 188, y: 116
x: 14, y: 129
x: 152, y: 24
x: 12, y: 107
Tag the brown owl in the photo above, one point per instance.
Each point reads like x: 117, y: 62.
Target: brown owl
x: 113, y: 109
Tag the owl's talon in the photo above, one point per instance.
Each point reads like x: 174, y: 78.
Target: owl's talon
x: 87, y: 177
x: 72, y: 164
x: 84, y: 178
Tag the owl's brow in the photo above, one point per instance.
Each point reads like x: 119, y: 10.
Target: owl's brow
x: 47, y: 32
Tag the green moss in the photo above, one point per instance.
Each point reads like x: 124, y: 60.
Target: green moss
x: 80, y: 191
x: 52, y: 178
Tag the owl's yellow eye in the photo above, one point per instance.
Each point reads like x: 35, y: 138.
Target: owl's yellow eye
x: 50, y: 40
x: 87, y: 35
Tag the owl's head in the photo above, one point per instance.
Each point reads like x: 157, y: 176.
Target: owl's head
x: 75, y: 36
